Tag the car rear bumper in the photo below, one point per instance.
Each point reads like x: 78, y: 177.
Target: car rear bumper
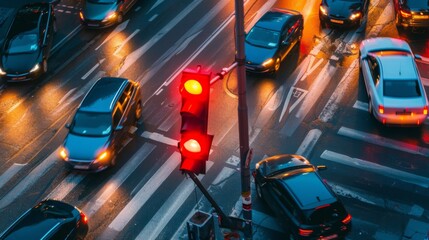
x: 339, y: 22
x: 416, y: 119
x: 86, y: 166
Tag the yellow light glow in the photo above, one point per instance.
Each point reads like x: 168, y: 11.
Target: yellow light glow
x: 192, y: 146
x: 355, y: 16
x: 63, y: 153
x: 193, y: 87
x: 103, y: 155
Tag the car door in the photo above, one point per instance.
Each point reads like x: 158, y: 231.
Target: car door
x: 117, y: 127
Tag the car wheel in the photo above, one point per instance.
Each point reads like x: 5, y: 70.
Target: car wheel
x: 277, y: 65
x: 45, y: 66
x: 258, y: 191
x: 138, y: 111
x: 120, y: 18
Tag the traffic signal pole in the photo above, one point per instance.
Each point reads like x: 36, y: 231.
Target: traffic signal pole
x: 243, y: 125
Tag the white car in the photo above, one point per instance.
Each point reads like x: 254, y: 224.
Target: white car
x: 395, y: 91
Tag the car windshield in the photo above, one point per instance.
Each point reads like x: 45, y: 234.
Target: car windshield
x: 263, y: 37
x: 23, y: 43
x: 91, y: 124
x: 417, y: 4
x: 102, y: 1
x: 401, y: 88
x: 328, y: 213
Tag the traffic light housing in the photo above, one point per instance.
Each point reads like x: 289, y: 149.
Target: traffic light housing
x: 195, y: 143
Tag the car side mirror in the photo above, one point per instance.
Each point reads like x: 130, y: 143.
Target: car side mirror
x: 321, y: 167
x: 418, y: 56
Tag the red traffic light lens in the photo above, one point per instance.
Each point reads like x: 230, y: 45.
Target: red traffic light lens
x: 193, y: 87
x: 192, y: 145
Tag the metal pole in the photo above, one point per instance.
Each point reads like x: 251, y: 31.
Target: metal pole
x: 243, y: 125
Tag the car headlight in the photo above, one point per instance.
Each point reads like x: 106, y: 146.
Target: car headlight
x: 35, y: 68
x: 110, y: 16
x: 268, y: 62
x: 81, y: 16
x: 102, y: 156
x: 2, y: 72
x: 355, y: 15
x: 323, y: 10
x: 64, y: 154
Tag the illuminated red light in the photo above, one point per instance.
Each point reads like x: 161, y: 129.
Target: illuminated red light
x: 305, y: 232
x: 381, y: 109
x: 323, y: 206
x: 425, y: 110
x: 83, y: 217
x: 405, y: 14
x: 347, y: 219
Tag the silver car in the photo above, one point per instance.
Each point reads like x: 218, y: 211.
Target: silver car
x: 393, y: 83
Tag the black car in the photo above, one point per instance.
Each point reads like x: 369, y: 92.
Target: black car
x: 342, y: 13
x: 50, y: 220
x: 271, y: 39
x: 26, y: 49
x: 101, y: 124
x: 307, y: 206
x: 412, y: 14
x: 104, y: 13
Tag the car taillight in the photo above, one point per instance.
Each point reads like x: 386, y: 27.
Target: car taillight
x: 425, y: 110
x: 347, y: 219
x: 381, y: 109
x: 305, y: 232
x: 83, y: 218
x: 405, y: 13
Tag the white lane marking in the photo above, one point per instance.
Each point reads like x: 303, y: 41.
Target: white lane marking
x: 383, y: 19
x: 70, y: 35
x: 116, y: 181
x: 361, y: 105
x: 153, y: 17
x: 169, y: 208
x: 29, y: 180
x: 310, y: 67
x: 156, y: 4
x: 92, y: 69
x: 309, y: 141
x: 358, y: 194
x: 145, y: 193
x: 384, y: 142
x: 66, y: 186
x: 117, y: 30
x: 376, y: 168
x: 332, y: 104
x: 124, y: 42
x: 9, y: 173
x: 132, y: 57
x: 15, y: 106
x: 66, y: 96
x: 159, y: 138
x: 298, y: 94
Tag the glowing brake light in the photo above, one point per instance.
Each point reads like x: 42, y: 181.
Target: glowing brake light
x: 347, y: 219
x: 425, y: 110
x: 381, y: 109
x: 83, y: 217
x: 405, y: 13
x: 305, y: 232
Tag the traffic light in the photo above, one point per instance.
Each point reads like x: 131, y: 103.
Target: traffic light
x: 195, y: 143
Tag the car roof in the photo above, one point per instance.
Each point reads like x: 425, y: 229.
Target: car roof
x: 103, y: 95
x: 275, y: 18
x: 277, y: 163
x: 398, y: 67
x: 308, y: 189
x: 40, y: 221
x: 27, y: 18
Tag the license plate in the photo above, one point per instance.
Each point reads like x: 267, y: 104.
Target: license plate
x: 18, y: 78
x: 421, y: 16
x: 337, y: 21
x: 403, y: 113
x: 81, y: 166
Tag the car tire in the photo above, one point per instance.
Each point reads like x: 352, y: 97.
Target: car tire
x: 45, y: 66
x: 138, y: 112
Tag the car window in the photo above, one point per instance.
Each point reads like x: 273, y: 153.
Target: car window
x: 327, y: 213
x: 66, y: 231
x: 420, y: 4
x: 401, y: 88
x: 91, y: 124
x: 23, y: 43
x: 117, y: 115
x: 263, y: 37
x: 374, y: 68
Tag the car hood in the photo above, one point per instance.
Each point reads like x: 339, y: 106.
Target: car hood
x: 97, y: 11
x: 19, y: 63
x: 84, y: 147
x: 342, y: 8
x: 257, y: 55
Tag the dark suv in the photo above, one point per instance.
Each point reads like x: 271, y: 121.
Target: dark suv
x: 27, y: 47
x: 307, y: 206
x: 412, y: 14
x: 49, y: 219
x: 101, y: 124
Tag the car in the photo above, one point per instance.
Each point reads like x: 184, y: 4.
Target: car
x: 271, y: 39
x: 104, y: 13
x: 392, y: 80
x: 101, y: 124
x: 27, y: 46
x: 49, y: 219
x: 342, y: 13
x: 306, y: 205
x: 412, y: 14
